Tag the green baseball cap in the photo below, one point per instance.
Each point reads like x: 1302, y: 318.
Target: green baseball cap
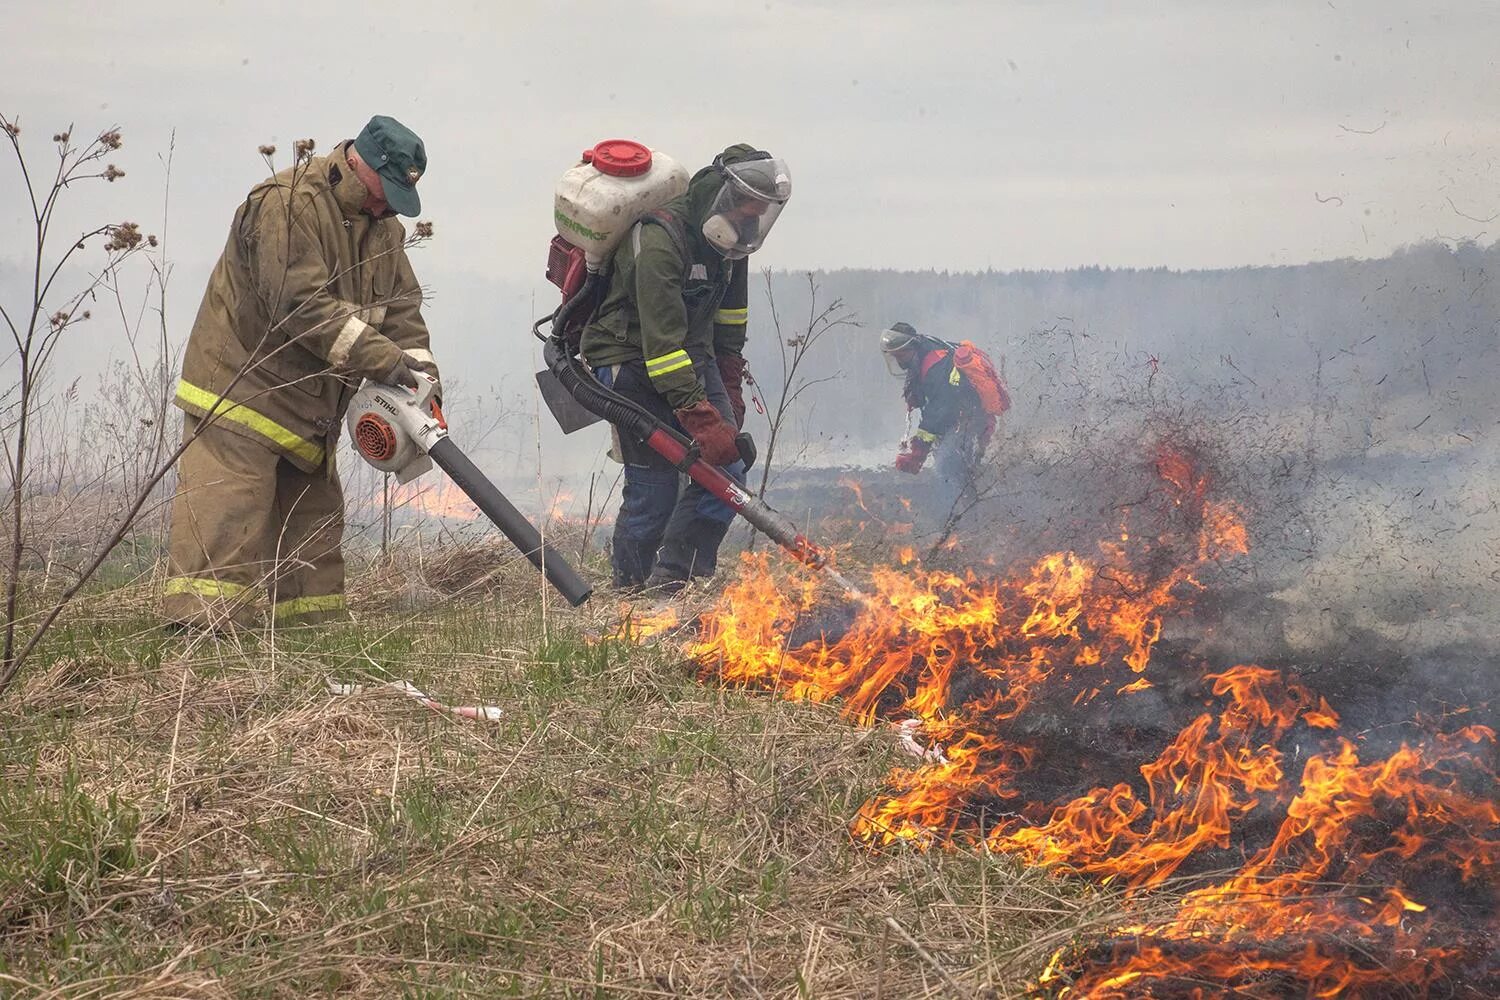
x: 395, y: 153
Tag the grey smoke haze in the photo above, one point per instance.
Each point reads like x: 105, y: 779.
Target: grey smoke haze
x: 1381, y: 345
x: 949, y: 135
x: 940, y: 137
x: 1349, y: 405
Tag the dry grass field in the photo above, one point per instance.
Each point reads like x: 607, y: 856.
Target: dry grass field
x: 189, y: 818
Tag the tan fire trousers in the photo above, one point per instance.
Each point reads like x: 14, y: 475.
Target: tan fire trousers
x: 247, y: 521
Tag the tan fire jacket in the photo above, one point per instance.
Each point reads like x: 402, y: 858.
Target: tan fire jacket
x: 309, y: 296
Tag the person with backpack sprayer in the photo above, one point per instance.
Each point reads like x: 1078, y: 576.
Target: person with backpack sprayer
x: 960, y: 395
x: 597, y: 205
x: 667, y: 336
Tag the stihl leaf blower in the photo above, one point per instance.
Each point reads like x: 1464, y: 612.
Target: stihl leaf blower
x: 597, y: 201
x: 403, y: 432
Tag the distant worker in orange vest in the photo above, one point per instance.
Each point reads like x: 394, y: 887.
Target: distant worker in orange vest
x: 959, y: 393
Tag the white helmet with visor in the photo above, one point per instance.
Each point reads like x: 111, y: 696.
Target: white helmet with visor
x: 748, y: 202
x: 901, y: 344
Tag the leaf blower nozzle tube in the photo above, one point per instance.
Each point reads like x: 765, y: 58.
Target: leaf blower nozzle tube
x: 522, y: 533
x: 401, y: 431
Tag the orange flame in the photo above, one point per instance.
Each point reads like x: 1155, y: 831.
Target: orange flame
x: 435, y: 499
x: 560, y: 508
x: 638, y: 623
x: 966, y: 657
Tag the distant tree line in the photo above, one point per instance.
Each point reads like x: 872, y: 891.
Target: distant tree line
x: 1368, y: 349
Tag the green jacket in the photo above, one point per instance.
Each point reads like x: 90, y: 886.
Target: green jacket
x: 309, y: 295
x: 663, y: 302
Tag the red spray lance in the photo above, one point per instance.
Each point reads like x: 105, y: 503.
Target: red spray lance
x: 682, y: 452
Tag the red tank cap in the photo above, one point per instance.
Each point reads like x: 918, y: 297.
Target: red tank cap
x: 620, y: 158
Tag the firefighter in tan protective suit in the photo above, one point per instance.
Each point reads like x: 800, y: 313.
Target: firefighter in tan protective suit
x: 312, y: 293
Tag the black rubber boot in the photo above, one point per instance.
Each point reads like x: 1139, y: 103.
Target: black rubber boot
x: 691, y: 551
x: 663, y: 583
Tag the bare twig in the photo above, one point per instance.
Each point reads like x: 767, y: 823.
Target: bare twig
x: 793, y: 351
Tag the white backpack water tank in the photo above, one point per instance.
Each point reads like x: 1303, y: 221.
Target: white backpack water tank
x: 614, y: 184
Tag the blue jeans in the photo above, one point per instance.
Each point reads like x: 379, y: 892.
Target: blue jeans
x: 667, y: 523
x: 958, y: 463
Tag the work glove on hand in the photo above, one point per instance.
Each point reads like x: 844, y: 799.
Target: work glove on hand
x: 732, y: 369
x: 402, y: 374
x: 714, y: 434
x: 431, y: 369
x: 913, y: 456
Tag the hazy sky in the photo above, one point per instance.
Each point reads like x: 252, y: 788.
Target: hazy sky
x: 945, y: 135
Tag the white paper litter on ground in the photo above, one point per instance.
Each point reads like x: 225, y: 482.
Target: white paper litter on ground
x: 907, y: 732
x: 481, y: 713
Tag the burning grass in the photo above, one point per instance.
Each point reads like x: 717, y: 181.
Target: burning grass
x: 1066, y: 728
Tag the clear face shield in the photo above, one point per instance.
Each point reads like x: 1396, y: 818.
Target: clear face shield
x: 898, y: 361
x: 899, y: 345
x: 747, y: 205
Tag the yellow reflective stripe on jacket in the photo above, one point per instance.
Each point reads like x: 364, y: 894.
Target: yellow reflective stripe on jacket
x: 246, y: 417
x: 203, y: 588
x: 668, y: 363
x: 927, y: 436
x: 732, y: 317
x: 307, y: 605
x: 954, y: 376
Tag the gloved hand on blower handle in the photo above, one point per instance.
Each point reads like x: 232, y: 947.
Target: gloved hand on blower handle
x: 715, y: 435
x: 404, y: 373
x: 401, y: 374
x: 913, y: 455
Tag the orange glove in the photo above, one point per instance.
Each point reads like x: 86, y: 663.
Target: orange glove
x: 911, y: 460
x: 714, y: 434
